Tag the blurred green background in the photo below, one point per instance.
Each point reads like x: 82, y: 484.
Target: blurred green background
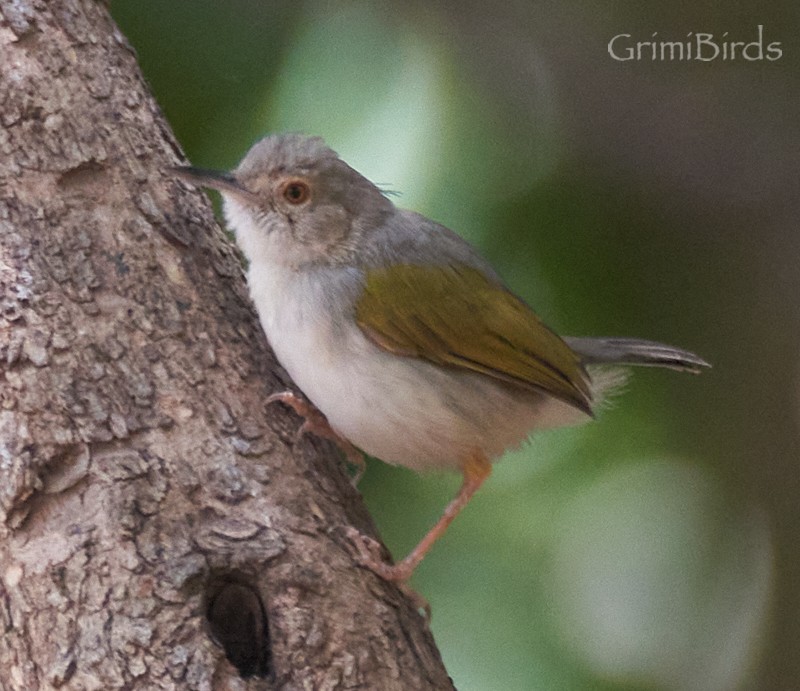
x: 658, y: 547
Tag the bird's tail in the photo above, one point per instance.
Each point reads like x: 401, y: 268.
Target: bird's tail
x: 635, y: 351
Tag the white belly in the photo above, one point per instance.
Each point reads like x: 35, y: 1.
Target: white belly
x: 402, y: 410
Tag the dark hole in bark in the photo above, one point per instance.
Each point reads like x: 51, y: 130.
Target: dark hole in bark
x: 239, y: 624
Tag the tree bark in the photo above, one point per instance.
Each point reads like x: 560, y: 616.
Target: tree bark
x: 159, y: 526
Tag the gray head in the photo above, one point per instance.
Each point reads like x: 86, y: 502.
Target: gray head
x: 293, y: 197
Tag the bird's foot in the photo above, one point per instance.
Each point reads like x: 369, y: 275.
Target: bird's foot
x: 368, y: 555
x: 314, y: 422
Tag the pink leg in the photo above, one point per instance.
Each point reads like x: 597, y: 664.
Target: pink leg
x: 315, y: 422
x: 476, y: 469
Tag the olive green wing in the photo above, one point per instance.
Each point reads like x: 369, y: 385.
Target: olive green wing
x: 424, y: 312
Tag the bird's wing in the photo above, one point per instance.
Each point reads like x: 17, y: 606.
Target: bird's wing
x: 455, y: 316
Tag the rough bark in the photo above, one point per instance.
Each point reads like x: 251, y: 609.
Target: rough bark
x: 151, y: 505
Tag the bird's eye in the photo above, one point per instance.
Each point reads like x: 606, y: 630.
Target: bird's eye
x: 295, y: 191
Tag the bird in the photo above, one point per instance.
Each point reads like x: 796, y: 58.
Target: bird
x: 405, y: 342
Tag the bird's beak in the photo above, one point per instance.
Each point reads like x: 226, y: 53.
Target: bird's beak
x: 213, y: 179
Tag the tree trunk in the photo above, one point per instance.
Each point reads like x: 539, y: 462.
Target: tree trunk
x: 157, y: 520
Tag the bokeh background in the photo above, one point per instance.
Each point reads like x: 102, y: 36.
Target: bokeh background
x: 658, y: 547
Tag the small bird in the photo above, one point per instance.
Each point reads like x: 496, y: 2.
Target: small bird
x: 405, y: 340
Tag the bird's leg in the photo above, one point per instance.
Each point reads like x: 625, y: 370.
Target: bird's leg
x: 315, y: 422
x: 475, y: 470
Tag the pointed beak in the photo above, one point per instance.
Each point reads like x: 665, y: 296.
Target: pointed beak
x: 213, y: 179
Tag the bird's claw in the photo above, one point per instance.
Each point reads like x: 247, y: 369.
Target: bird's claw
x: 314, y: 422
x: 368, y: 554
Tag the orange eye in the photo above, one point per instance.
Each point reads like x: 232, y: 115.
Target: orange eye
x: 295, y: 191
